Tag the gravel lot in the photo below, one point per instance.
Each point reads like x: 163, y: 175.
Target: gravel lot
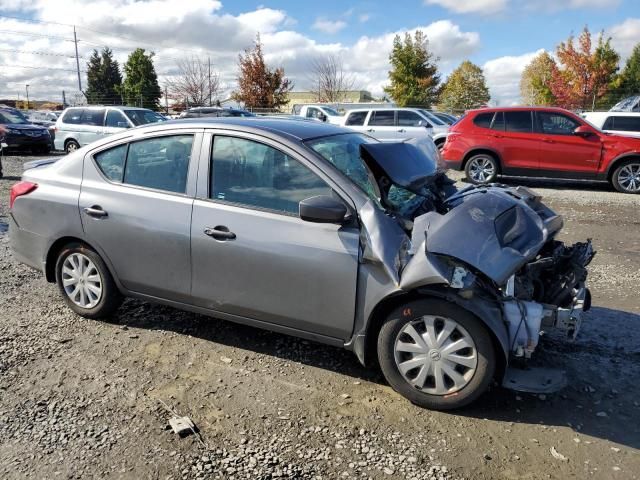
x: 87, y: 399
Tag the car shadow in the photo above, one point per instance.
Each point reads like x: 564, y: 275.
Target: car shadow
x: 10, y: 178
x: 557, y: 184
x: 596, y: 383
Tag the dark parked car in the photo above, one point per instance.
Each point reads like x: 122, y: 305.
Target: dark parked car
x: 199, y: 112
x: 313, y: 230
x: 540, y: 142
x: 22, y: 134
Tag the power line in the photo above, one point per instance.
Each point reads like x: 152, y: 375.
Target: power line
x: 37, y: 35
x: 41, y: 68
x: 53, y: 54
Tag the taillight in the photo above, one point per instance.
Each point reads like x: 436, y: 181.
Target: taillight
x: 19, y: 189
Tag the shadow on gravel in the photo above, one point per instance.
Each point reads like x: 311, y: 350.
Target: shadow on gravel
x: 556, y: 184
x: 602, y: 397
x: 10, y: 178
x: 601, y: 365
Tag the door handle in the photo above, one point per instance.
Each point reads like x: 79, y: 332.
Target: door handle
x: 495, y: 135
x: 95, y: 211
x: 219, y: 233
x: 402, y: 130
x: 370, y: 130
x: 548, y: 140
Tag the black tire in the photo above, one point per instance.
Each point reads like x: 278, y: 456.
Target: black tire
x: 110, y: 298
x: 485, y: 353
x: 71, y: 146
x: 634, y: 166
x: 440, y: 143
x: 481, y: 168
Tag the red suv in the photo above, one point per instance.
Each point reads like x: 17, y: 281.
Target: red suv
x: 540, y: 142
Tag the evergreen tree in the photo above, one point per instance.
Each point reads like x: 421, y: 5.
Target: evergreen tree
x: 630, y: 76
x: 94, y: 79
x: 103, y: 78
x: 140, y: 87
x: 414, y: 74
x: 464, y: 89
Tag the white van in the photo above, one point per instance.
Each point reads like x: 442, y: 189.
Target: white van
x: 79, y: 126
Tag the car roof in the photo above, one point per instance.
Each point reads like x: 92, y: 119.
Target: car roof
x: 299, y: 129
x: 85, y: 107
x: 518, y: 108
x: 409, y: 109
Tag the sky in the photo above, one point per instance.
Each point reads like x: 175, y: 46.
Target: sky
x: 501, y: 36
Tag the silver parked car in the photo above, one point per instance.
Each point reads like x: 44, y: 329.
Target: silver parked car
x: 316, y: 231
x: 397, y: 124
x: 79, y: 126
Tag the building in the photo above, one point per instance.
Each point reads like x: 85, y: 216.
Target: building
x: 350, y: 96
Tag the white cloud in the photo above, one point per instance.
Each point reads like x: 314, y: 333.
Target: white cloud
x: 624, y: 36
x: 328, y: 26
x: 198, y: 27
x: 470, y: 6
x: 503, y: 77
x: 364, y: 17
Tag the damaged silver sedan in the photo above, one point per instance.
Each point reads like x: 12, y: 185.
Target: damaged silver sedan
x: 311, y: 230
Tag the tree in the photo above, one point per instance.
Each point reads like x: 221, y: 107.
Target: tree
x: 583, y: 75
x: 630, y: 76
x: 104, y: 79
x: 536, y: 79
x: 259, y: 86
x: 464, y: 89
x: 331, y: 82
x: 414, y: 74
x: 195, y: 82
x: 140, y: 86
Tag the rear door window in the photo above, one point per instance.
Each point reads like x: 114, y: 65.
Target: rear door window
x: 93, y: 117
x: 498, y: 121
x: 483, y: 120
x: 518, y: 121
x: 624, y: 124
x: 356, y: 118
x: 382, y: 118
x: 73, y: 116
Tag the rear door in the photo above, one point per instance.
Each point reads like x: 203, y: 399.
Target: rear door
x: 382, y: 125
x: 519, y: 143
x: 135, y: 204
x: 91, y: 127
x: 253, y: 257
x: 561, y: 153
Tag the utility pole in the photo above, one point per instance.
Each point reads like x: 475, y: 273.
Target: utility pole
x: 75, y: 41
x: 166, y: 100
x: 64, y: 100
x: 209, y: 62
x: 27, y: 87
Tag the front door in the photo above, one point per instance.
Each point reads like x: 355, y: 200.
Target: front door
x: 115, y: 122
x: 253, y: 257
x: 562, y: 152
x: 135, y: 206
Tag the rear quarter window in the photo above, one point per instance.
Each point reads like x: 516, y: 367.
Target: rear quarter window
x: 483, y: 120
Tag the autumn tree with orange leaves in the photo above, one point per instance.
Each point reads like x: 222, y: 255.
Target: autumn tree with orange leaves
x: 259, y: 86
x: 584, y: 74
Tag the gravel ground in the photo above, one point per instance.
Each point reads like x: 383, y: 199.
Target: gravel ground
x: 87, y: 399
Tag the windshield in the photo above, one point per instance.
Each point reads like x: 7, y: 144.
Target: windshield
x: 7, y: 117
x: 629, y: 104
x: 343, y: 152
x: 142, y: 117
x: 432, y: 117
x: 331, y: 111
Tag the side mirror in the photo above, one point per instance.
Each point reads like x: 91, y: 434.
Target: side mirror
x: 322, y: 209
x: 583, y: 131
x: 322, y: 117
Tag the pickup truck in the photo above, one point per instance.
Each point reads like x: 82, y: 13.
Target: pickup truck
x: 322, y: 113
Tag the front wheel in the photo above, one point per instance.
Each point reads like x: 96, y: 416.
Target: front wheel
x: 626, y: 178
x: 436, y: 354
x: 85, y: 282
x: 481, y: 168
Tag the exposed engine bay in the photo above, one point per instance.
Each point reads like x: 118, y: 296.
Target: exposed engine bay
x: 494, y: 246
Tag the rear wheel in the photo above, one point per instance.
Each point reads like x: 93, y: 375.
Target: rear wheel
x: 85, y: 282
x: 440, y: 143
x: 436, y: 354
x: 481, y: 168
x: 71, y: 146
x: 626, y: 178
